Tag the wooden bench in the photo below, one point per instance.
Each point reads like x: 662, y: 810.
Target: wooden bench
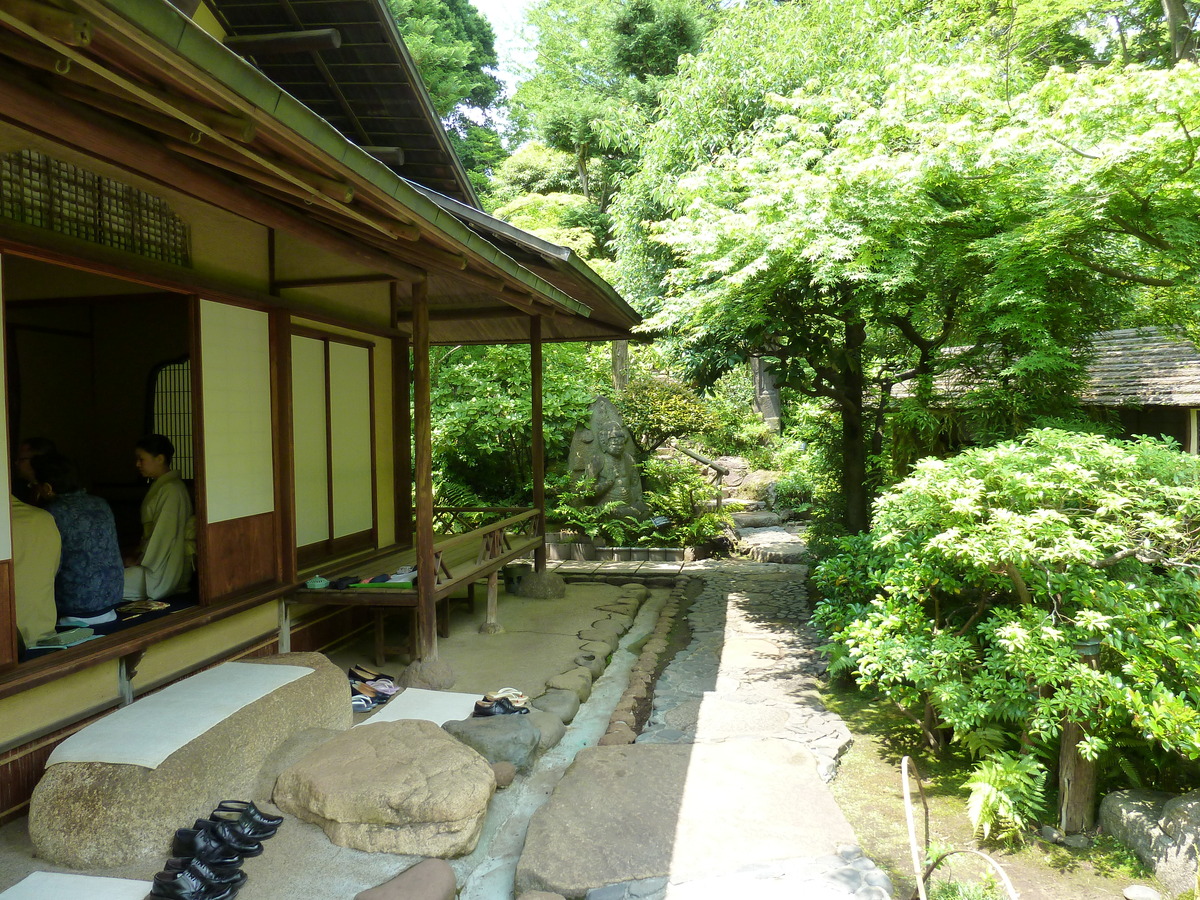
x: 460, y: 561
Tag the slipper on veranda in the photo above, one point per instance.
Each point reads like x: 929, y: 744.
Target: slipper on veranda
x: 362, y: 673
x: 383, y: 686
x: 361, y: 703
x: 358, y: 688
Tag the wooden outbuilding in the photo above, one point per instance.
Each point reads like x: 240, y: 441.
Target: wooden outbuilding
x: 241, y: 225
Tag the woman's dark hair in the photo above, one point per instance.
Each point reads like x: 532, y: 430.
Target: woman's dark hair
x: 57, y: 471
x: 157, y: 445
x: 39, y: 446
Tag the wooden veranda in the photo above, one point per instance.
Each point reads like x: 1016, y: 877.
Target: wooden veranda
x: 459, y: 560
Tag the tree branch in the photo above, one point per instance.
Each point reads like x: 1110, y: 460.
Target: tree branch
x: 1117, y: 273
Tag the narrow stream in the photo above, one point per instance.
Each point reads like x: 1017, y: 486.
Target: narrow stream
x: 492, y: 866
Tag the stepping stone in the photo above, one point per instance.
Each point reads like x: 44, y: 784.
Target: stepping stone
x: 87, y: 815
x: 511, y: 739
x: 394, y: 787
x: 430, y: 879
x: 564, y: 704
x: 625, y: 813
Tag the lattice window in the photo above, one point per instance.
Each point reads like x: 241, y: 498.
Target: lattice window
x: 171, y: 412
x: 49, y: 193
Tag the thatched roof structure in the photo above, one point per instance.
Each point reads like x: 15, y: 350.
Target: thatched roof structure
x: 1143, y: 367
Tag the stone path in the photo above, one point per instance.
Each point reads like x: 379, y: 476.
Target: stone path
x: 724, y: 792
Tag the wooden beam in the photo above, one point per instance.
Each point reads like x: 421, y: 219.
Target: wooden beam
x: 538, y: 435
x: 93, y: 135
x: 81, y: 83
x: 335, y: 190
x: 423, y: 476
x: 280, y: 323
x: 467, y: 314
x: 286, y: 283
x: 70, y: 28
x: 390, y: 156
x: 282, y: 42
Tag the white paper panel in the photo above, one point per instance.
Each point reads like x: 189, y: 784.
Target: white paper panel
x: 310, y: 440
x: 235, y: 353
x: 350, y: 421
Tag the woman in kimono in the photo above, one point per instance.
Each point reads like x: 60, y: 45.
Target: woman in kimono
x: 162, y: 565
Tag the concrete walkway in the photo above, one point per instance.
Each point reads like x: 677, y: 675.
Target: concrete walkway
x: 724, y: 793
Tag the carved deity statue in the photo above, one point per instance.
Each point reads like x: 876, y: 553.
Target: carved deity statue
x: 603, y: 465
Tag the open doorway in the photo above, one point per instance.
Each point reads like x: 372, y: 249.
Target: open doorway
x: 93, y: 363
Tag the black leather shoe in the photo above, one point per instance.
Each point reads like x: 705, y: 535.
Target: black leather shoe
x: 502, y: 706
x: 188, y: 885
x: 244, y: 824
x: 230, y: 835
x: 206, y: 844
x: 247, y: 807
x: 212, y: 874
x: 221, y: 873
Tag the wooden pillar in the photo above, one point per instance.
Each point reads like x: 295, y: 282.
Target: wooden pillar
x: 402, y: 441
x: 1077, y: 776
x: 423, y: 477
x: 539, y: 443
x: 285, y: 462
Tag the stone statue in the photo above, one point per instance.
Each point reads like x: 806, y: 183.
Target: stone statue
x: 603, y: 465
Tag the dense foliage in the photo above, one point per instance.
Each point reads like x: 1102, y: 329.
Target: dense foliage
x: 972, y: 602
x: 454, y: 48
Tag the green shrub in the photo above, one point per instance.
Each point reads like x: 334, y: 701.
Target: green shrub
x: 983, y: 572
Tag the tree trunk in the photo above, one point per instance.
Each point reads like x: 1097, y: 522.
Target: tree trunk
x: 1179, y: 29
x: 1076, y: 776
x: 855, y: 490
x: 620, y: 365
x: 1076, y: 783
x: 766, y: 393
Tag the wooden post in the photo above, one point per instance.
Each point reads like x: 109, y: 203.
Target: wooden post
x: 539, y: 443
x: 402, y: 441
x: 423, y: 476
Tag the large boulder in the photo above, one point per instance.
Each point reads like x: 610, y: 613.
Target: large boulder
x: 1160, y: 828
x: 96, y: 814
x: 511, y: 739
x: 392, y: 787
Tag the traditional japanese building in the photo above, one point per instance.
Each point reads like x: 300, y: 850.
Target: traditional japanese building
x: 241, y: 225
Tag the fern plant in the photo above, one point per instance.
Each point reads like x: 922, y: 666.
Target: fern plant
x: 1008, y: 792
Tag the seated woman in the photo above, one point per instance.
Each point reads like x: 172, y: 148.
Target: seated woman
x: 163, y: 563
x: 88, y: 583
x: 36, y: 550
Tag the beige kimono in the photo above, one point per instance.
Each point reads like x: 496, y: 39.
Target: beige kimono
x: 168, y: 542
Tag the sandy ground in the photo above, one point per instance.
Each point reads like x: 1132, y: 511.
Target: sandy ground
x: 300, y: 863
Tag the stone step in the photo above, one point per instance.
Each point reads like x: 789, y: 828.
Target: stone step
x: 780, y: 544
x: 683, y: 810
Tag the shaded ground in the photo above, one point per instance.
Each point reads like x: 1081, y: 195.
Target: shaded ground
x: 868, y: 788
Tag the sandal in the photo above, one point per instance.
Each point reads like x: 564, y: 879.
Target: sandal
x: 513, y: 695
x: 362, y: 673
x: 361, y: 703
x: 383, y: 686
x: 361, y: 689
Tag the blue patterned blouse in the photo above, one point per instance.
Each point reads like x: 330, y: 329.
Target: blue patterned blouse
x: 91, y: 576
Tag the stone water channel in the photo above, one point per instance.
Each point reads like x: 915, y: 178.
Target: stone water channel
x: 723, y: 793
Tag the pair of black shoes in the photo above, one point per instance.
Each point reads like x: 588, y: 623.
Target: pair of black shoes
x: 208, y: 856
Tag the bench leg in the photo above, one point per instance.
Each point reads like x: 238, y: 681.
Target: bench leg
x: 443, y: 617
x: 285, y: 627
x: 380, y: 642
x: 471, y: 597
x: 490, y: 625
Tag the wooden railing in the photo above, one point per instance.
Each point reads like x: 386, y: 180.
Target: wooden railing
x: 458, y: 519
x: 509, y: 538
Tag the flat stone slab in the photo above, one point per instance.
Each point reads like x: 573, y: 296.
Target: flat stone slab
x: 631, y: 812
x: 88, y: 815
x: 393, y: 787
x: 513, y: 739
x: 780, y: 544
